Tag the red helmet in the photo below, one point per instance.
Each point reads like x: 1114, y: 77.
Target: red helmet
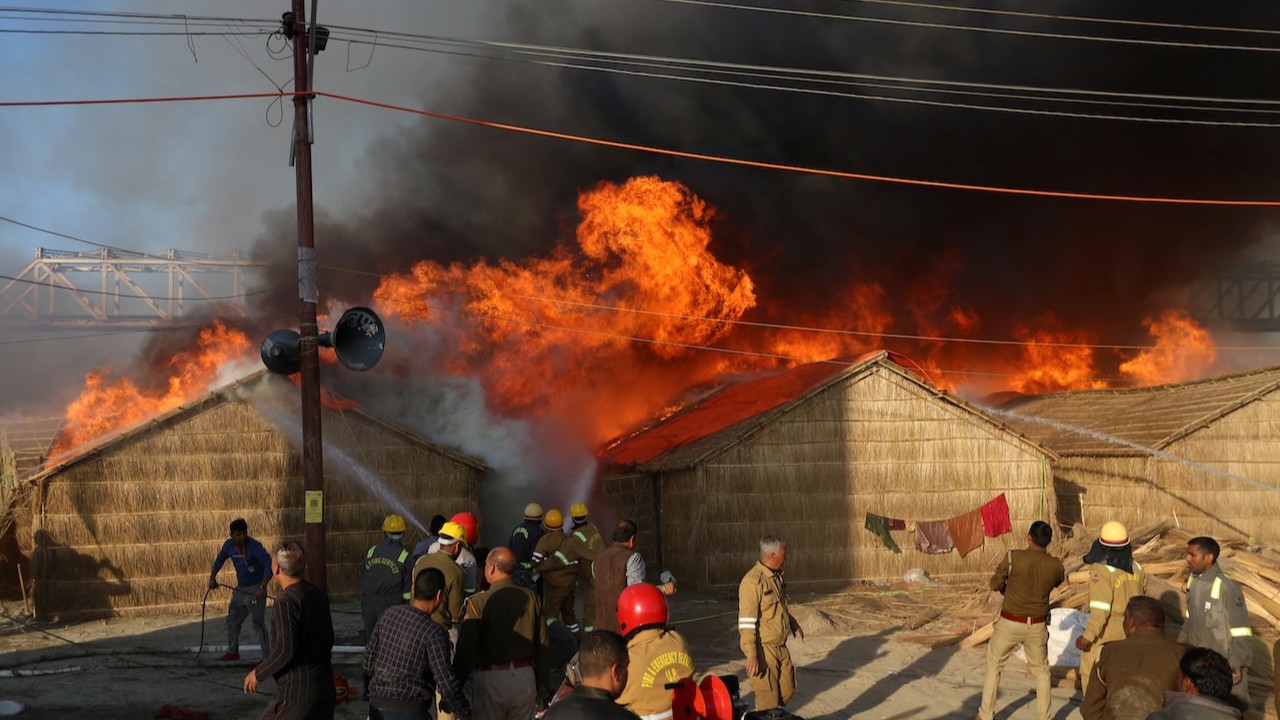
x: 640, y: 605
x: 468, y: 521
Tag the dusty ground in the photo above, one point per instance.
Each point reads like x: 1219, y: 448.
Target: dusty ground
x: 857, y: 661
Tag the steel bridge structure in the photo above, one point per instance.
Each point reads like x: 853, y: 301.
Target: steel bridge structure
x: 46, y: 293
x: 1245, y: 298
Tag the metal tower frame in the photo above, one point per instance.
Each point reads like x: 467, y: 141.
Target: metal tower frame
x: 1244, y: 297
x: 33, y: 296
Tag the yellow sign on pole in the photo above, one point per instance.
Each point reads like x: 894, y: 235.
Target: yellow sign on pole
x: 315, y: 507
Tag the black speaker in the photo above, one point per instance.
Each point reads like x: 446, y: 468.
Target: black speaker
x: 280, y: 352
x: 358, y: 340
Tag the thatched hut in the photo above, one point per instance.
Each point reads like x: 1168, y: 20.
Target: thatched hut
x: 1204, y: 454
x: 806, y: 454
x: 132, y: 523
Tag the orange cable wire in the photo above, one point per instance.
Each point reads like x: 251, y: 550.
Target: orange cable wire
x: 675, y: 153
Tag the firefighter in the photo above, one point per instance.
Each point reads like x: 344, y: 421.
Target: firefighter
x: 658, y: 655
x: 524, y: 540
x: 581, y: 547
x: 386, y: 576
x: 1114, y: 577
x: 444, y: 559
x: 764, y: 625
x: 466, y: 555
x: 558, y: 580
x: 1216, y: 615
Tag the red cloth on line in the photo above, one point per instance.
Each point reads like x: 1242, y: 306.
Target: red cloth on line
x: 995, y: 517
x: 966, y: 531
x: 932, y: 537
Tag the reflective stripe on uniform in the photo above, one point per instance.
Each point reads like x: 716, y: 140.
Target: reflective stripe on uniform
x: 658, y: 716
x: 746, y: 623
x: 369, y: 555
x: 404, y: 555
x: 1216, y: 591
x: 406, y: 597
x: 588, y: 628
x: 1241, y: 632
x: 578, y: 534
x: 562, y: 558
x: 1099, y: 605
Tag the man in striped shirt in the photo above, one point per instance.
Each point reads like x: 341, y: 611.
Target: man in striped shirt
x: 407, y: 658
x: 301, y: 645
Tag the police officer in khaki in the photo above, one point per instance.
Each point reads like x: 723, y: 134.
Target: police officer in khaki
x: 1216, y: 615
x: 1114, y: 577
x: 765, y: 623
x: 1025, y: 577
x: 658, y: 655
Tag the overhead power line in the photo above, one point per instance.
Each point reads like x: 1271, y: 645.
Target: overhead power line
x: 917, y: 182
x: 973, y: 28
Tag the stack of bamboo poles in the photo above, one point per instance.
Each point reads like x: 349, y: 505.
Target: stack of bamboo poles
x: 1160, y: 549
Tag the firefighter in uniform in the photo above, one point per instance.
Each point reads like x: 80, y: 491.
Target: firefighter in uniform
x: 1114, y: 577
x: 524, y: 540
x: 449, y: 614
x: 1216, y: 615
x: 658, y: 655
x: 558, y: 580
x: 386, y: 576
x: 765, y: 623
x: 581, y: 547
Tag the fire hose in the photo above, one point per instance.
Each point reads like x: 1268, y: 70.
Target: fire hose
x: 204, y: 601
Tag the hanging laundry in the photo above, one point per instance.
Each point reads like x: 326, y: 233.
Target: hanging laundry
x: 995, y: 517
x: 896, y: 524
x: 932, y: 537
x: 879, y: 526
x: 966, y: 531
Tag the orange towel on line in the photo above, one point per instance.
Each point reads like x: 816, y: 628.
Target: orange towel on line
x: 966, y: 531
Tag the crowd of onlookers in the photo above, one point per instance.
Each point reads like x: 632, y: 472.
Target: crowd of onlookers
x: 450, y: 636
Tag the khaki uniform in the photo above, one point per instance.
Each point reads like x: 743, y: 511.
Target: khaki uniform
x: 1109, y: 593
x: 1131, y: 676
x: 1217, y: 618
x: 449, y: 614
x: 657, y: 657
x: 582, y: 546
x: 764, y: 624
x: 558, y: 580
x: 1026, y: 577
x: 502, y: 645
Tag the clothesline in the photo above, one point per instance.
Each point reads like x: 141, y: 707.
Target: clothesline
x: 963, y: 533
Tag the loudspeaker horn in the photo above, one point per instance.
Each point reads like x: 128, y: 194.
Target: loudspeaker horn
x: 358, y: 340
x: 280, y: 352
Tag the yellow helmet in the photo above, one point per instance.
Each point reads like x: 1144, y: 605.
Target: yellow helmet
x: 393, y: 524
x: 452, y: 532
x: 533, y: 511
x: 553, y: 520
x: 1114, y: 534
x: 578, y: 510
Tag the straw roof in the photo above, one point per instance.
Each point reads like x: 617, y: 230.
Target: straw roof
x: 228, y: 393
x: 737, y: 412
x: 29, y: 440
x: 1150, y: 417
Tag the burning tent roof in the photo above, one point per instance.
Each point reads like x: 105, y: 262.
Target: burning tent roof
x: 1153, y: 417
x: 228, y: 393
x: 743, y: 408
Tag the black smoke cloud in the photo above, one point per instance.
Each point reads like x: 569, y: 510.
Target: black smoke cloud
x: 451, y: 192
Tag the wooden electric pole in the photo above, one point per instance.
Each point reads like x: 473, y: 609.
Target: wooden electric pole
x: 308, y: 294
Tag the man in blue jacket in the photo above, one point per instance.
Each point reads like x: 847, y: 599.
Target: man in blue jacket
x: 253, y: 572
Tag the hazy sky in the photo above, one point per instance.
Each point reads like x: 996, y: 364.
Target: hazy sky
x: 393, y: 188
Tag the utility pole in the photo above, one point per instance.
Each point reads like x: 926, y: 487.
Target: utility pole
x: 308, y: 294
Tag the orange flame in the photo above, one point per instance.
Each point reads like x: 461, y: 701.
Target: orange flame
x: 1054, y: 360
x: 544, y: 334
x: 106, y: 404
x: 1184, y: 350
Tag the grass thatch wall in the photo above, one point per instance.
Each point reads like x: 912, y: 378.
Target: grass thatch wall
x: 135, y: 526
x: 1139, y: 490
x: 878, y: 443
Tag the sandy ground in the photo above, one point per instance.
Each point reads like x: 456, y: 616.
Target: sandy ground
x: 856, y: 662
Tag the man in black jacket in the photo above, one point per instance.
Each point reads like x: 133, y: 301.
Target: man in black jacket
x: 602, y: 663
x: 301, y: 643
